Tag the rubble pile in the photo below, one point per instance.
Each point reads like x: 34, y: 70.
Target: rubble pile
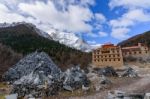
x: 74, y: 78
x: 104, y: 80
x: 36, y: 75
x: 32, y: 62
x: 106, y: 71
x: 129, y: 72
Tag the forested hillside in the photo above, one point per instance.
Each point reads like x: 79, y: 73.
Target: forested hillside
x: 21, y: 40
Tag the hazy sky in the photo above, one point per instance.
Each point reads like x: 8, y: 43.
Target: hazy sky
x: 97, y: 21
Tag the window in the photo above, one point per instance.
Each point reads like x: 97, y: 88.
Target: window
x: 118, y: 55
x: 145, y: 51
x: 139, y: 52
x: 118, y: 59
x: 114, y: 59
x: 113, y: 55
x: 102, y: 60
x: 105, y: 59
x: 109, y: 55
x: 109, y: 59
x: 134, y: 52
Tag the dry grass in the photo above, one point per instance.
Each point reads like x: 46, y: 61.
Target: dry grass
x: 2, y: 96
x: 3, y: 85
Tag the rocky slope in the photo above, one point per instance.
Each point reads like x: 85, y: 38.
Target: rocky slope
x: 141, y: 38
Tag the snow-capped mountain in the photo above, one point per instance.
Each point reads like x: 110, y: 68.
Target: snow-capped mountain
x: 71, y: 40
x: 68, y: 39
x: 29, y: 25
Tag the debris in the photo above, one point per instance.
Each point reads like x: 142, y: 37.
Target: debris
x: 74, y: 78
x: 35, y: 61
x: 129, y: 72
x: 104, y: 80
x: 106, y: 71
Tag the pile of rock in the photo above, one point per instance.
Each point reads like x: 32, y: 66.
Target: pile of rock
x: 36, y: 75
x: 32, y: 62
x: 106, y: 71
x: 129, y: 72
x: 74, y: 78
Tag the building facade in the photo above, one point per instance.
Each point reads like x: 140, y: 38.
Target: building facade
x: 111, y: 55
x: 140, y: 50
x: 107, y: 55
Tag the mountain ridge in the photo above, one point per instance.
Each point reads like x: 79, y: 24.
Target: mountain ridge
x: 66, y: 38
x: 140, y: 38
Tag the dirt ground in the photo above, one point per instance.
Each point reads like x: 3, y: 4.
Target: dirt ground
x: 128, y: 85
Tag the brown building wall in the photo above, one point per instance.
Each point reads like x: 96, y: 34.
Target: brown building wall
x: 108, y: 56
x: 137, y: 51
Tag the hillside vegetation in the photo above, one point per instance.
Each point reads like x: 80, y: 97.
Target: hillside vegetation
x: 7, y: 58
x: 22, y: 40
x: 141, y: 38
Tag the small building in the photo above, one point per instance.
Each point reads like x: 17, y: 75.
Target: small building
x: 108, y: 55
x: 140, y: 50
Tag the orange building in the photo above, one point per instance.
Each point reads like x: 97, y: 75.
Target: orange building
x: 108, y: 55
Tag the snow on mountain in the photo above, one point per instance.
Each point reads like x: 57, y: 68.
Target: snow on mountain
x: 30, y: 25
x: 71, y: 40
x: 68, y: 39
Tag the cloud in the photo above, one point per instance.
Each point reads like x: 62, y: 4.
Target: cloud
x: 103, y: 34
x: 136, y: 13
x: 7, y: 15
x: 46, y: 14
x: 120, y: 33
x: 94, y: 35
x: 130, y: 4
x: 91, y: 42
x: 100, y: 18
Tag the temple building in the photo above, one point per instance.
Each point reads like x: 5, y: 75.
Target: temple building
x: 111, y: 55
x: 140, y: 50
x: 108, y: 55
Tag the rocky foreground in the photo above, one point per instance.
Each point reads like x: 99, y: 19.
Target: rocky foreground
x: 37, y: 76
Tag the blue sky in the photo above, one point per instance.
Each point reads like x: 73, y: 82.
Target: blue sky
x: 96, y: 21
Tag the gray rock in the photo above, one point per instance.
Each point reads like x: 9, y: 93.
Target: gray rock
x: 74, y: 78
x: 129, y: 72
x: 106, y: 71
x: 37, y: 61
x: 36, y: 74
x: 105, y: 81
